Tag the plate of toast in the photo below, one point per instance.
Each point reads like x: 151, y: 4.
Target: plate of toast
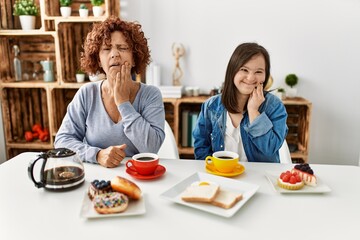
x: 217, y: 195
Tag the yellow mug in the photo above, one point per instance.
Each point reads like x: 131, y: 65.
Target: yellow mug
x: 223, y: 161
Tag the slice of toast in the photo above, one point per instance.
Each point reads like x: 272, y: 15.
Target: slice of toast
x: 204, y: 193
x: 226, y: 199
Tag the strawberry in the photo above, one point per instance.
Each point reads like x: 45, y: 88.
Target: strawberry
x: 286, y: 178
x: 292, y: 180
x: 298, y: 178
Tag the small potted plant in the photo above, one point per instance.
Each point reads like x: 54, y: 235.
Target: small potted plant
x: 280, y: 93
x: 97, y: 8
x: 83, y: 10
x: 291, y: 80
x: 65, y: 8
x: 80, y: 76
x: 27, y: 11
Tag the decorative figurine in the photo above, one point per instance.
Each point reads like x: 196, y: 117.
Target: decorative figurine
x: 178, y: 51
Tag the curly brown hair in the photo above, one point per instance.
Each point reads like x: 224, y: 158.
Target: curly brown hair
x: 101, y: 32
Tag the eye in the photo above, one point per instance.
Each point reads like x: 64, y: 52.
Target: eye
x: 123, y: 49
x: 243, y: 70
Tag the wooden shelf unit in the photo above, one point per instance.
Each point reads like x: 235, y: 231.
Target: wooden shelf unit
x: 299, y: 110
x: 59, y: 39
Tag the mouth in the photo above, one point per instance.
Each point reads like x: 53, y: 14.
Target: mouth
x: 115, y: 65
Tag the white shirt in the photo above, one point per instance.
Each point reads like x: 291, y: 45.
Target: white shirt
x: 233, y: 141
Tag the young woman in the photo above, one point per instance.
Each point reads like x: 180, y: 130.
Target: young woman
x: 243, y: 118
x: 117, y: 117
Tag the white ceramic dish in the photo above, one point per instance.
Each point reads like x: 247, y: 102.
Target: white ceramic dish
x: 273, y: 176
x: 134, y: 208
x: 247, y: 189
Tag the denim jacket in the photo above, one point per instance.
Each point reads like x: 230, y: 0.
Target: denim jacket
x: 261, y: 139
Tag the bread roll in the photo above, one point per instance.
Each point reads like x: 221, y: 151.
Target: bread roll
x: 123, y: 185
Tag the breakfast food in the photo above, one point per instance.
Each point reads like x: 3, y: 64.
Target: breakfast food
x: 113, y: 202
x: 123, y: 185
x: 306, y: 174
x: 226, y: 199
x: 200, y: 192
x: 290, y: 181
x: 98, y: 187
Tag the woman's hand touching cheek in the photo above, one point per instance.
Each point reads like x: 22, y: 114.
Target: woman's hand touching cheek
x: 122, y: 85
x: 255, y: 100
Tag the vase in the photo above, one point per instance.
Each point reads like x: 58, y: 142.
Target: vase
x: 83, y: 13
x: 27, y: 22
x: 97, y: 11
x: 291, y: 92
x: 80, y: 77
x: 65, y: 11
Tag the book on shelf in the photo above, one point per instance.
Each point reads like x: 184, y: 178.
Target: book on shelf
x: 189, y: 119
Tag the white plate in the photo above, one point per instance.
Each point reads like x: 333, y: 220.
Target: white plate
x: 247, y: 190
x: 320, y: 187
x: 136, y: 207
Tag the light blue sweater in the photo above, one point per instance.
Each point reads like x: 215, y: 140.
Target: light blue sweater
x: 87, y: 128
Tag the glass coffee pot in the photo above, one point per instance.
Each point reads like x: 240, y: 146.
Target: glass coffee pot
x: 61, y: 169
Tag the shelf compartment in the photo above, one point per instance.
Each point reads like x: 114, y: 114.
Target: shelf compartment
x: 298, y: 122
x: 22, y: 108
x: 33, y: 49
x: 12, y: 152
x: 60, y: 100
x: 8, y: 20
x: 71, y: 38
x: 52, y: 8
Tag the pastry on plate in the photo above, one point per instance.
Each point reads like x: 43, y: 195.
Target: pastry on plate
x: 123, y: 185
x: 290, y: 181
x: 306, y: 173
x: 98, y: 187
x: 113, y: 202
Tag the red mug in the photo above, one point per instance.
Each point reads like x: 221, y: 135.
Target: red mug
x: 144, y: 163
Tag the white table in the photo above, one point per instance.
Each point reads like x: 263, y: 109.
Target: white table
x: 30, y: 213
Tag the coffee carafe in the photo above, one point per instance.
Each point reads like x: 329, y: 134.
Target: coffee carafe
x: 48, y: 67
x: 61, y: 169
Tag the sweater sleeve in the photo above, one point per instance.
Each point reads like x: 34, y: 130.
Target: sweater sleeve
x: 71, y: 133
x: 145, y: 128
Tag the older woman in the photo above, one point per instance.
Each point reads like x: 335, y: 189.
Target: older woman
x: 117, y: 117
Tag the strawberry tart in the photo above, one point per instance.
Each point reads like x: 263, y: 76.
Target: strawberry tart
x: 290, y: 181
x: 306, y: 173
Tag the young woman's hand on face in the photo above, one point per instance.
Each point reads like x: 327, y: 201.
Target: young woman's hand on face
x: 123, y: 84
x: 255, y: 100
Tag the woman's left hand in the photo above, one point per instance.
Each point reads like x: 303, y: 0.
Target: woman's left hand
x: 123, y: 84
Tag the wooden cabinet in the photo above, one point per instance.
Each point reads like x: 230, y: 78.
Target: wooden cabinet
x: 31, y: 101
x: 299, y: 113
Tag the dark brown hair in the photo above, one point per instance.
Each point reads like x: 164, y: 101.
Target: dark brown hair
x: 242, y: 54
x: 102, y: 32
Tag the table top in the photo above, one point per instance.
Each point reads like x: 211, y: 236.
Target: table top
x: 27, y: 212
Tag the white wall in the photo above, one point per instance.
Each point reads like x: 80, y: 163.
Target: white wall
x: 319, y: 40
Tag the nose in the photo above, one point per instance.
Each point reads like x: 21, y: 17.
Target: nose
x: 115, y: 53
x: 251, y: 77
